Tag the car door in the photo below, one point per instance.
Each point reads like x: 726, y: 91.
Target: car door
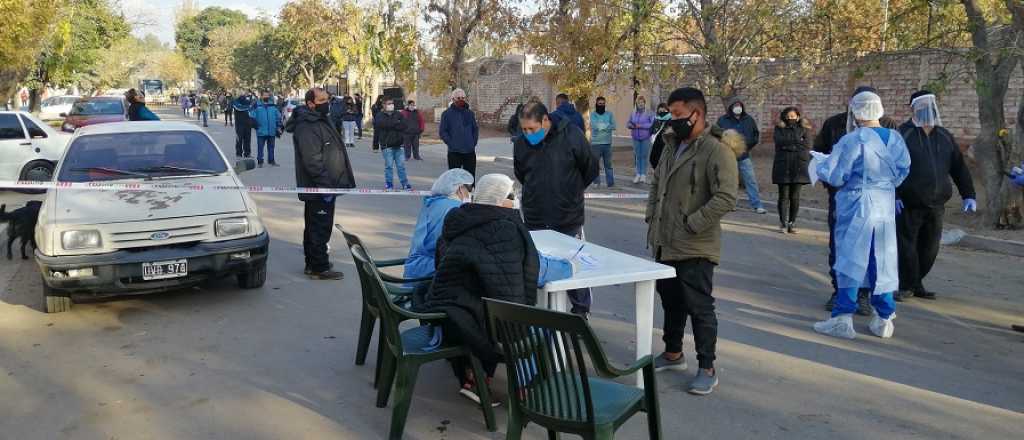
x: 15, y: 146
x: 47, y: 143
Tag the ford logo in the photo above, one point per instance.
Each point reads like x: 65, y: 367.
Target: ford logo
x: 160, y: 235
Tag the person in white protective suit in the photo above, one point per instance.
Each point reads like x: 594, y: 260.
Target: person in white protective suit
x: 867, y: 165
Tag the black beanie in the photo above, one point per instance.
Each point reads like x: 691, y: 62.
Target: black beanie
x: 919, y: 94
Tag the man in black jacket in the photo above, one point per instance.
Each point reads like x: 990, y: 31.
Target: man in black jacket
x: 321, y: 161
x: 485, y: 251
x: 832, y: 130
x: 921, y: 198
x: 554, y: 163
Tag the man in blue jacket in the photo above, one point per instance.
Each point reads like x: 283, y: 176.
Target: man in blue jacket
x: 267, y: 120
x: 460, y: 133
x: 737, y: 118
x: 565, y: 110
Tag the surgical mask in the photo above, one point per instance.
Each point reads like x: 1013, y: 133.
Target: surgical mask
x: 599, y: 109
x: 681, y: 127
x: 323, y: 108
x: 412, y: 108
x: 737, y: 110
x: 389, y: 108
x: 535, y: 137
x: 663, y: 114
x: 640, y: 106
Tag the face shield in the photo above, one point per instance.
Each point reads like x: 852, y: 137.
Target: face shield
x: 926, y: 111
x: 864, y: 106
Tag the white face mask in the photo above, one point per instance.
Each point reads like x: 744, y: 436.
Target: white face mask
x: 412, y: 108
x: 737, y: 110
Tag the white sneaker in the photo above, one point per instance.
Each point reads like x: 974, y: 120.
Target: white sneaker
x: 636, y: 178
x: 761, y: 211
x: 643, y: 179
x: 883, y: 328
x: 840, y: 326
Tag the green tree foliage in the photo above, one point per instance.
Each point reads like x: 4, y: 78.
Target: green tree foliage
x: 223, y: 68
x: 265, y: 61
x: 388, y: 34
x: 27, y: 24
x: 313, y: 29
x: 192, y: 34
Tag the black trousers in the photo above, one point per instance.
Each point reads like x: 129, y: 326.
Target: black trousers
x: 466, y: 161
x: 375, y: 143
x: 789, y: 202
x: 689, y: 295
x: 228, y: 117
x: 411, y: 145
x: 918, y: 232
x: 319, y: 218
x: 243, y: 140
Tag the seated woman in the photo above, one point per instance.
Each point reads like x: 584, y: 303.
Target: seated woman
x: 450, y: 190
x: 485, y: 250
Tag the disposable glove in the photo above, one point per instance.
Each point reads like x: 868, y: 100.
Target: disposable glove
x: 899, y: 206
x: 970, y: 205
x: 1017, y: 176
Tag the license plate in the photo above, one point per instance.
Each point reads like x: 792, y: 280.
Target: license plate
x: 162, y: 270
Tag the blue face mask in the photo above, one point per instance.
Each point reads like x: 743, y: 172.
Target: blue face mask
x: 536, y: 137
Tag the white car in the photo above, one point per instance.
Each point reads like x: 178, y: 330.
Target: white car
x: 29, y: 149
x: 289, y: 107
x: 101, y: 243
x: 53, y: 107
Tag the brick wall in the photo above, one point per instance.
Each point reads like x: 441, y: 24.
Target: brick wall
x: 819, y: 93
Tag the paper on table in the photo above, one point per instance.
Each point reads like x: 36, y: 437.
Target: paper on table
x: 586, y: 261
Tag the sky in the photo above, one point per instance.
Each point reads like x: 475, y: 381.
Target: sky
x: 157, y: 16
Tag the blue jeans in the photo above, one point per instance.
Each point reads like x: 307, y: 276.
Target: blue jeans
x: 604, y: 152
x: 203, y: 115
x: 269, y: 141
x: 641, y: 150
x: 846, y: 297
x: 394, y: 158
x: 746, y: 167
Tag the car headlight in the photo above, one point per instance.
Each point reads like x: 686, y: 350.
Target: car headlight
x: 231, y: 226
x: 68, y: 127
x: 89, y: 239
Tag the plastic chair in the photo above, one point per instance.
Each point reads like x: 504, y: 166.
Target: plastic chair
x: 396, y: 286
x: 405, y: 351
x: 547, y: 376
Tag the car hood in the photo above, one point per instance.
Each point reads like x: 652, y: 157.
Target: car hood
x: 85, y: 207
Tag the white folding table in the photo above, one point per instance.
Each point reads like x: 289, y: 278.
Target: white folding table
x: 610, y: 268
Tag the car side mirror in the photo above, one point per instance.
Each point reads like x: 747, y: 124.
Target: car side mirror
x: 244, y: 165
x: 63, y: 115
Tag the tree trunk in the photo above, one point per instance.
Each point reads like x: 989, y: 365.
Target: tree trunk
x: 989, y: 147
x: 34, y: 101
x: 455, y: 67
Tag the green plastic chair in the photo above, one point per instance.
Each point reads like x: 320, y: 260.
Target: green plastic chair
x: 405, y: 351
x: 547, y: 376
x: 396, y: 288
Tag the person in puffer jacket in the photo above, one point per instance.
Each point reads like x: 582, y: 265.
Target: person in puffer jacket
x: 267, y: 120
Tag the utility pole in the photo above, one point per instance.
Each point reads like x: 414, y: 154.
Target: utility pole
x: 885, y: 22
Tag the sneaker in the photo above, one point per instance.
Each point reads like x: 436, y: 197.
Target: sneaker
x: 790, y: 228
x: 663, y: 363
x: 309, y: 271
x: 259, y: 164
x: 407, y: 187
x: 760, y: 211
x: 643, y: 178
x: 864, y: 303
x: 831, y: 302
x: 782, y: 229
x: 274, y: 164
x: 703, y: 384
x: 924, y: 294
x: 468, y: 391
x: 636, y: 178
x: 327, y: 275
x: 388, y: 187
x: 839, y: 326
x: 903, y: 295
x: 883, y: 328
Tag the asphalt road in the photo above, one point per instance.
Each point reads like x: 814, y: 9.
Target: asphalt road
x: 218, y: 362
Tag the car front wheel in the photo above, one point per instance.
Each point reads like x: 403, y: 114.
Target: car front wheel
x: 254, y: 278
x: 37, y: 171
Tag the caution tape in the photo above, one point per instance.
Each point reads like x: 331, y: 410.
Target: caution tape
x: 149, y: 186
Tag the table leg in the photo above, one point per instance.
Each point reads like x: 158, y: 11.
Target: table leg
x: 644, y: 323
x: 542, y: 299
x: 558, y: 301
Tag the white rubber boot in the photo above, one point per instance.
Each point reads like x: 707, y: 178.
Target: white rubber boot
x: 840, y: 326
x: 883, y: 328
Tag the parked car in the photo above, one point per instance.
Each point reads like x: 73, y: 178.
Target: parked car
x: 102, y: 243
x: 289, y: 107
x: 52, y: 107
x: 94, y: 110
x: 29, y: 149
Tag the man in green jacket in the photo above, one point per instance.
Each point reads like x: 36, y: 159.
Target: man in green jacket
x: 694, y: 186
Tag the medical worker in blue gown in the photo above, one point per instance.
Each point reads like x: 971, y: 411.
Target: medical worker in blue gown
x: 866, y: 165
x: 451, y: 189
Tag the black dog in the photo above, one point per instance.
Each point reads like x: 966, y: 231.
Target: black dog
x: 21, y: 224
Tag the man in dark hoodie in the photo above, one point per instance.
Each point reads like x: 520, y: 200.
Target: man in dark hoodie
x: 921, y: 199
x: 553, y: 161
x: 485, y: 251
x: 243, y: 124
x: 321, y: 161
x: 737, y: 118
x: 833, y: 129
x: 565, y: 110
x: 460, y: 132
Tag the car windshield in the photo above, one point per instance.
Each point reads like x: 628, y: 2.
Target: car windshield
x: 148, y: 155
x: 98, y: 107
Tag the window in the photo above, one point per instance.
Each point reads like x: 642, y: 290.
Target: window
x: 137, y: 155
x: 10, y: 128
x: 34, y: 131
x: 98, y: 107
